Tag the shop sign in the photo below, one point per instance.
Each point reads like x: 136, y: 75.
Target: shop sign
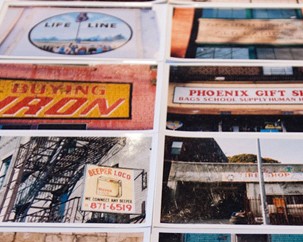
x: 250, y: 31
x: 64, y: 99
x: 268, y: 176
x: 80, y: 33
x: 108, y: 189
x: 222, y: 95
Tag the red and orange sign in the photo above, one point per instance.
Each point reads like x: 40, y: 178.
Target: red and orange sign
x: 54, y: 99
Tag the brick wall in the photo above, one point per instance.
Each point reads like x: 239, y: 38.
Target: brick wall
x: 71, y: 237
x: 142, y: 77
x: 181, y: 31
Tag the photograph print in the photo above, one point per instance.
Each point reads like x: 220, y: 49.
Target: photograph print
x: 223, y: 237
x: 99, y: 32
x: 98, y: 97
x: 88, y: 180
x: 239, y: 98
x: 239, y: 33
x: 72, y: 236
x: 217, y: 181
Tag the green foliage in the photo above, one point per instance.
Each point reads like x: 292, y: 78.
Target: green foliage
x: 249, y: 158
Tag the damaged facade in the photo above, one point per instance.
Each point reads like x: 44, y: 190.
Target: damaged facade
x: 203, y: 187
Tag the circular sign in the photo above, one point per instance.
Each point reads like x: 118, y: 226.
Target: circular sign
x: 80, y: 33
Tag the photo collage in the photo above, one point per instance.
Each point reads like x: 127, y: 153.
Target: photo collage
x: 151, y: 121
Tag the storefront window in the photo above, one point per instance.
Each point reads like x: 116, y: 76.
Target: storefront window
x: 224, y: 13
x: 273, y: 13
x: 268, y: 70
x: 222, y: 53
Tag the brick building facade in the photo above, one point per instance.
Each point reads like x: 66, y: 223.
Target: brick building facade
x: 142, y: 79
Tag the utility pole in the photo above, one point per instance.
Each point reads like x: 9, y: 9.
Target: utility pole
x: 264, y: 207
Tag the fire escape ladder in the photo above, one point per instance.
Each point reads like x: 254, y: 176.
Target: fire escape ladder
x: 95, y: 150
x: 68, y: 162
x: 24, y: 203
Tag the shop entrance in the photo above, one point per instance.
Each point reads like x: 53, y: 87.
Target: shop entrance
x: 251, y: 238
x: 211, y: 202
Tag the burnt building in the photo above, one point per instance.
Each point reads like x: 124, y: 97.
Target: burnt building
x: 220, y: 191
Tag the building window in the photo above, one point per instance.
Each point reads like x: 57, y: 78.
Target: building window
x: 224, y: 13
x: 272, y: 53
x: 3, y: 170
x: 250, y: 13
x: 144, y: 180
x: 176, y: 148
x: 63, y: 200
x: 274, y: 13
x: 222, y: 53
x: 283, y: 71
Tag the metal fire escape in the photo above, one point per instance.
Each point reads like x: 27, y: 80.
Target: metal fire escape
x: 46, y: 172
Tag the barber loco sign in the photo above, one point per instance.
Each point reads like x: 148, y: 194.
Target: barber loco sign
x: 221, y: 95
x: 108, y: 189
x: 53, y: 99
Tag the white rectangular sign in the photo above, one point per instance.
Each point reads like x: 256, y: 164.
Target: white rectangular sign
x: 230, y: 95
x: 108, y: 189
x: 268, y: 176
x: 250, y: 31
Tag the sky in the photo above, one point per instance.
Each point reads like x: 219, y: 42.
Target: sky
x: 287, y: 151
